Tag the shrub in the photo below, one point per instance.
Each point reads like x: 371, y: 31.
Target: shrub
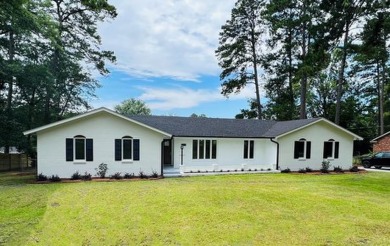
x: 76, y: 176
x: 325, y: 165
x: 101, y: 170
x: 287, y: 170
x: 255, y: 169
x: 354, y: 169
x: 55, y: 178
x: 154, y: 174
x: 338, y: 169
x: 86, y: 176
x: 309, y: 170
x: 302, y: 170
x: 41, y: 177
x: 242, y: 169
x: 249, y: 169
x: 198, y: 171
x: 116, y: 175
x: 142, y: 175
x: 269, y: 169
x: 221, y: 170
x: 128, y: 176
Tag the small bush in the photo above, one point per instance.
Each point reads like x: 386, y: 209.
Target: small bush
x: 101, y: 170
x: 55, y: 178
x: 86, y: 176
x: 255, y: 169
x: 142, y: 175
x: 287, y: 170
x: 41, y: 177
x: 116, y: 175
x: 242, y: 169
x: 338, y: 169
x: 154, y: 174
x: 228, y: 170
x: 269, y: 169
x: 221, y: 171
x: 128, y: 176
x: 325, y: 165
x: 302, y: 170
x: 76, y: 176
x: 354, y: 169
x: 249, y: 169
x: 198, y: 171
x: 309, y: 170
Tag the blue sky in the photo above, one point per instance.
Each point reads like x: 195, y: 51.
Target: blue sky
x: 165, y: 57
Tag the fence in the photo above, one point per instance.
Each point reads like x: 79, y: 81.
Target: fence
x: 10, y: 162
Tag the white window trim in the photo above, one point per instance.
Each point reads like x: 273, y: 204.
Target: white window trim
x: 331, y: 158
x: 204, y: 149
x: 249, y: 149
x: 304, y: 157
x: 79, y: 161
x: 131, y: 150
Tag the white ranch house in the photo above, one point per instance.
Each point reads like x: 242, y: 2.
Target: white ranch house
x: 160, y: 143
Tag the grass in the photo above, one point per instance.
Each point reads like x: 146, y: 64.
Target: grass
x: 255, y: 209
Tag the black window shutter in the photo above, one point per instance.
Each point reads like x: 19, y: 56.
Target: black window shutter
x: 118, y: 149
x: 296, y: 150
x: 336, y: 150
x: 308, y: 150
x: 69, y: 149
x: 136, y: 149
x: 89, y: 149
x: 324, y: 153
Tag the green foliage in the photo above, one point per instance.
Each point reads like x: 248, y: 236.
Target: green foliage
x: 55, y: 178
x: 86, y: 176
x: 129, y: 176
x: 116, y: 175
x: 287, y: 170
x: 76, y: 176
x: 41, y: 177
x: 325, y: 165
x: 133, y: 107
x: 239, y: 48
x: 101, y: 170
x: 44, y: 46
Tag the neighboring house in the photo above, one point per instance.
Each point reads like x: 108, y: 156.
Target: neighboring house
x: 150, y: 143
x: 381, y: 143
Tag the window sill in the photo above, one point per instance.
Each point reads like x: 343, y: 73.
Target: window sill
x: 127, y: 161
x: 302, y: 159
x: 79, y: 162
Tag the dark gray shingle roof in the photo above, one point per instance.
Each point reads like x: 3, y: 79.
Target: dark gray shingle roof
x: 214, y: 127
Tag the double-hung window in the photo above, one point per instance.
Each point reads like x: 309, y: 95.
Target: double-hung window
x: 249, y: 147
x: 127, y: 149
x: 79, y: 149
x: 204, y: 149
x: 302, y: 149
x: 331, y: 149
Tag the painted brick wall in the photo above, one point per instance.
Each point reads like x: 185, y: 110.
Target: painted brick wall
x: 382, y: 144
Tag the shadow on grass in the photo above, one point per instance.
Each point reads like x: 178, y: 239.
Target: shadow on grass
x: 22, y: 205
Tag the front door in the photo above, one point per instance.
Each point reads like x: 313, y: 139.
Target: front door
x: 167, y: 152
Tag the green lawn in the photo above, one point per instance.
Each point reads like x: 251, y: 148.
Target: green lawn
x: 255, y: 209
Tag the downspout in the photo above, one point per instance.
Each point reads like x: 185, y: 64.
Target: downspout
x: 277, y: 152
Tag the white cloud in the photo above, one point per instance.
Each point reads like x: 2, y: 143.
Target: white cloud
x: 182, y: 98
x: 170, y: 38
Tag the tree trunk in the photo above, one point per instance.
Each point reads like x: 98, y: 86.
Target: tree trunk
x: 290, y: 76
x: 256, y: 76
x: 302, y: 110
x: 340, y: 80
x: 11, y: 53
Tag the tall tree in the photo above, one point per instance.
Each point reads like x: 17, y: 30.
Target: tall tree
x: 239, y: 49
x: 74, y: 42
x: 133, y: 107
x: 298, y: 53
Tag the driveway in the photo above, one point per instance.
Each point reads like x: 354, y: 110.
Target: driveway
x: 383, y: 169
